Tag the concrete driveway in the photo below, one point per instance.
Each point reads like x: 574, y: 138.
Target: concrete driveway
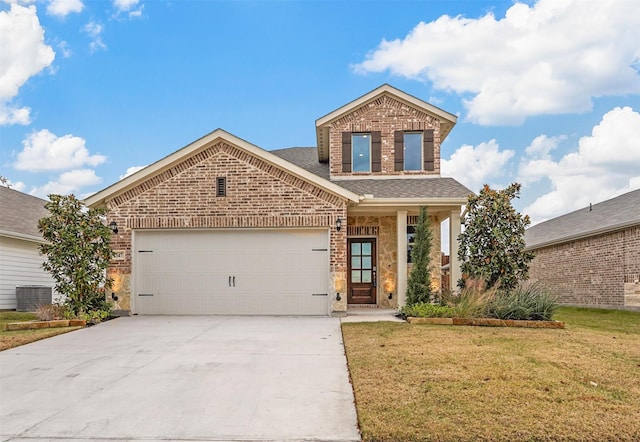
x: 182, y: 378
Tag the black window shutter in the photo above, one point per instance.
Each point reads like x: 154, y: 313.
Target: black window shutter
x: 376, y: 151
x: 428, y: 149
x: 398, y: 148
x: 346, y: 151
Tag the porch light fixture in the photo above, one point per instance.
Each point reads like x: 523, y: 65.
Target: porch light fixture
x: 338, y: 224
x: 113, y: 226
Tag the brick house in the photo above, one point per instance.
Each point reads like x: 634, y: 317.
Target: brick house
x: 222, y: 226
x: 591, y: 256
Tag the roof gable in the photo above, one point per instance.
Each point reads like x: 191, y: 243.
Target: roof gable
x: 447, y: 120
x: 20, y: 214
x: 218, y: 135
x: 607, y: 216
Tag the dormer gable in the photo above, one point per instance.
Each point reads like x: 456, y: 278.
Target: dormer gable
x: 384, y: 132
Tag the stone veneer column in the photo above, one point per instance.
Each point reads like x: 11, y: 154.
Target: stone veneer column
x: 454, y: 265
x: 402, y: 251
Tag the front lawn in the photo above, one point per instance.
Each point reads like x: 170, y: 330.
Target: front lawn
x: 415, y: 382
x: 11, y: 339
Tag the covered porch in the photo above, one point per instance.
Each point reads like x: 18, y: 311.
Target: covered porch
x: 379, y: 240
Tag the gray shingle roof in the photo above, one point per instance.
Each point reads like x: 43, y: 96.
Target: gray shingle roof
x: 607, y: 216
x: 428, y: 187
x: 19, y: 213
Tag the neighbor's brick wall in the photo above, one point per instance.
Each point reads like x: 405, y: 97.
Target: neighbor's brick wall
x: 258, y: 195
x: 386, y: 115
x: 591, y: 271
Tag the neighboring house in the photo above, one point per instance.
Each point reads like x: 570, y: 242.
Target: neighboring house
x: 591, y: 256
x: 20, y: 260
x: 222, y: 226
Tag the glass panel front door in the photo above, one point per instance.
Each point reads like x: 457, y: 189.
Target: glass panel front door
x: 362, y: 271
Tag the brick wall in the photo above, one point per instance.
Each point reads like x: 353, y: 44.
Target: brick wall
x: 259, y: 195
x: 386, y: 115
x: 591, y: 271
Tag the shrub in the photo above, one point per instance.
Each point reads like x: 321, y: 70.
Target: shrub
x: 525, y: 302
x: 473, y: 301
x: 77, y: 250
x: 425, y: 310
x: 419, y: 288
x: 492, y: 245
x: 48, y: 312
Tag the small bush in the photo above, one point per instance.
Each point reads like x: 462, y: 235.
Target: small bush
x: 473, y: 301
x: 48, y: 312
x: 425, y: 310
x: 531, y: 302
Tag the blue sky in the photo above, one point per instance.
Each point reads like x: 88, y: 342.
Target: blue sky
x: 547, y: 93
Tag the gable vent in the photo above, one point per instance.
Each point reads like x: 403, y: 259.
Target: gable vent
x: 221, y: 186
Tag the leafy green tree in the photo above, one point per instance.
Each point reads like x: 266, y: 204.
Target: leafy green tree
x: 78, y: 252
x: 419, y: 288
x: 492, y: 243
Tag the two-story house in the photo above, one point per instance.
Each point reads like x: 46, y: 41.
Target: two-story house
x: 222, y: 226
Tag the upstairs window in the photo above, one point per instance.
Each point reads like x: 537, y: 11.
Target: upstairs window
x: 361, y: 152
x: 413, y: 151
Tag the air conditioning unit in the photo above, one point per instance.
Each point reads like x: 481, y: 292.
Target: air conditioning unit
x: 29, y: 297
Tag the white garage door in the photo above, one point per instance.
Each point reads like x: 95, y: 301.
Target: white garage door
x: 247, y: 272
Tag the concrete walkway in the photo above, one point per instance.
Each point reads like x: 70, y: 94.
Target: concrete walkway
x: 371, y: 315
x: 182, y: 378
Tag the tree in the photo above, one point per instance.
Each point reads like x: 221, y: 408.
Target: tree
x: 78, y: 252
x: 419, y: 283
x: 492, y: 243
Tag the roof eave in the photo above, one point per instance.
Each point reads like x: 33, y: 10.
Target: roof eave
x: 100, y: 198
x: 566, y: 239
x: 22, y: 236
x: 447, y: 119
x: 417, y: 202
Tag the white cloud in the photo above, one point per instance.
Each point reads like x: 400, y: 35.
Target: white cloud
x: 542, y: 145
x: 64, y: 48
x: 62, y: 8
x: 129, y: 7
x: 550, y: 58
x: 94, y: 30
x: 14, y: 115
x: 23, y: 55
x: 67, y: 183
x: 44, y: 150
x: 606, y: 163
x: 476, y: 166
x: 131, y: 170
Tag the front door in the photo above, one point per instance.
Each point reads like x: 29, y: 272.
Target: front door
x: 362, y: 271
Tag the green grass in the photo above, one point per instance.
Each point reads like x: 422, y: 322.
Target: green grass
x: 11, y: 316
x: 607, y: 321
x: 11, y: 339
x: 438, y: 383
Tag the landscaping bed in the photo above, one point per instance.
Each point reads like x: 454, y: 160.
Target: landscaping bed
x: 33, y: 325
x: 487, y: 322
x: 15, y: 338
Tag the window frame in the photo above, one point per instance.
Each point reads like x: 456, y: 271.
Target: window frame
x: 368, y: 136
x: 420, y: 148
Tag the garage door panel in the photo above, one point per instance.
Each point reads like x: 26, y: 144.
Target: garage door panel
x: 254, y: 272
